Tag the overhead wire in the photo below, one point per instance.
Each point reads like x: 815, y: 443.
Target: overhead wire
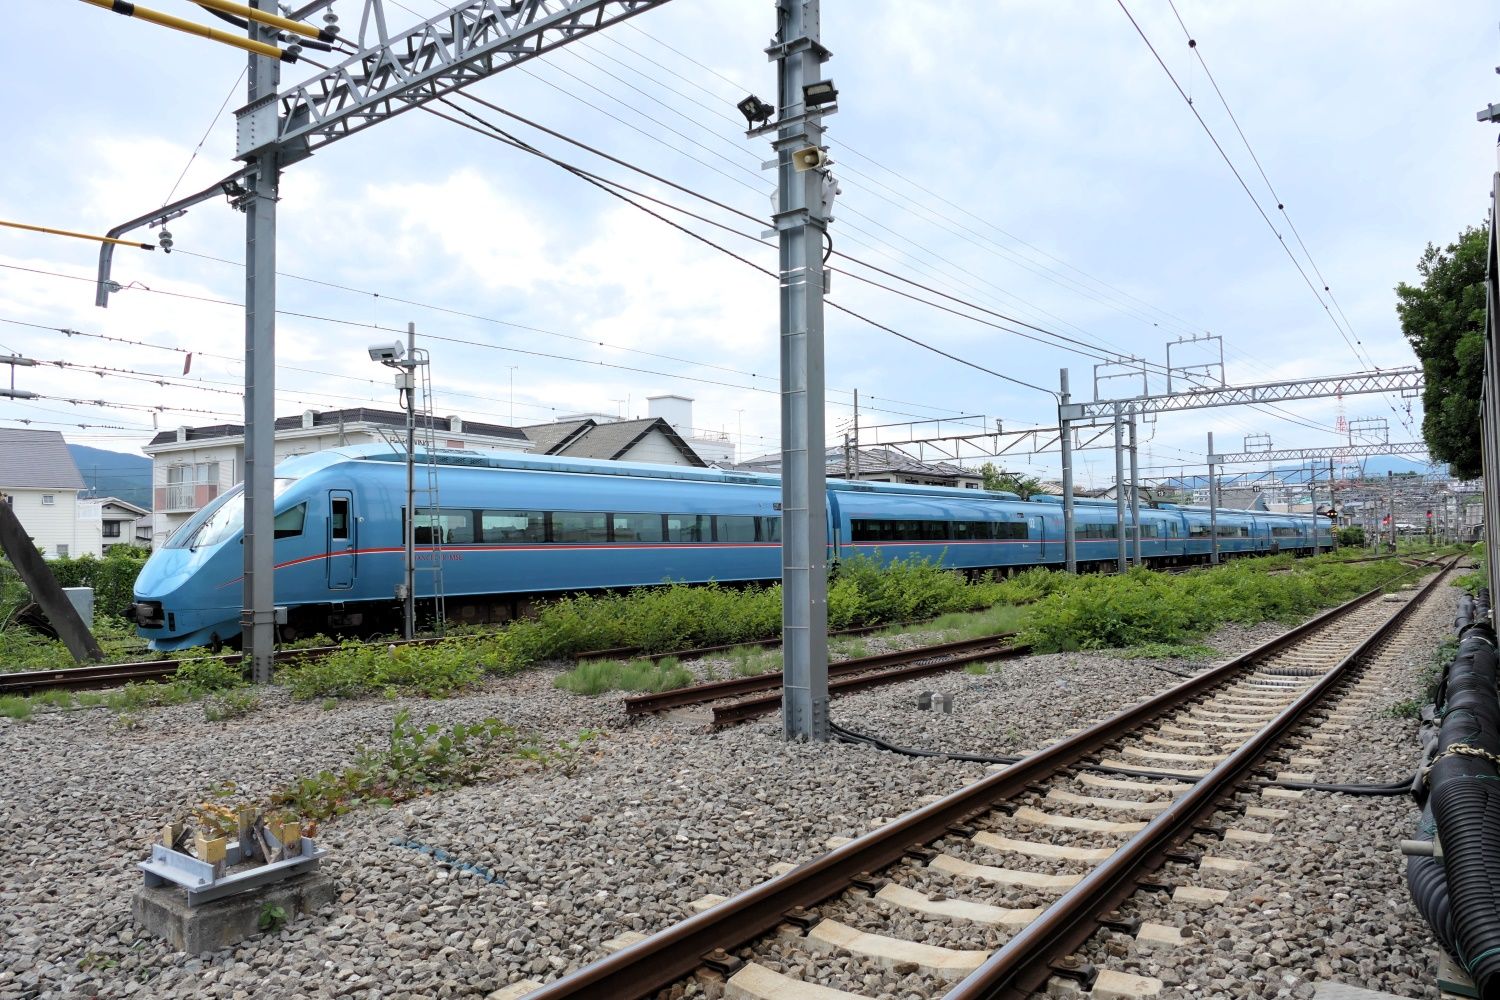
x: 1281, y: 241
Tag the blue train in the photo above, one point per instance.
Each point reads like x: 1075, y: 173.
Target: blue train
x: 511, y: 528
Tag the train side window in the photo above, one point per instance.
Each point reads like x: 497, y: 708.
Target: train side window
x: 289, y: 522
x: 635, y: 527
x: 735, y: 528
x: 690, y: 528
x: 444, y: 526
x: 574, y: 527
x: 770, y: 529
x: 512, y: 527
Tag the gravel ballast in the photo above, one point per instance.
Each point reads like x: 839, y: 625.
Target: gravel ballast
x: 620, y: 837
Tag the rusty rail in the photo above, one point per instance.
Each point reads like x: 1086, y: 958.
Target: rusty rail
x: 660, y: 960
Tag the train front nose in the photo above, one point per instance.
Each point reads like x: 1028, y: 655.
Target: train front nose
x: 180, y: 600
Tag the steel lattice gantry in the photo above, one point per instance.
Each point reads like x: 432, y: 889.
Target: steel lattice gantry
x: 1407, y: 381
x: 406, y: 70
x: 1312, y: 454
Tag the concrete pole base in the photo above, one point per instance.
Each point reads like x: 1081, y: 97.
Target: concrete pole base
x: 164, y: 911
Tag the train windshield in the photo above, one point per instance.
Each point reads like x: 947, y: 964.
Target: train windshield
x: 220, y: 520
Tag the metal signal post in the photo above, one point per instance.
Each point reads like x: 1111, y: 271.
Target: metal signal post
x: 804, y: 189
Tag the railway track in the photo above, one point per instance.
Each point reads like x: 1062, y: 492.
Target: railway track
x: 846, y: 675
x: 1099, y: 812
x: 116, y: 674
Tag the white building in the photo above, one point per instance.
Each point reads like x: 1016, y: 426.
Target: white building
x: 714, y: 448
x: 104, y: 522
x: 193, y: 465
x: 41, y: 482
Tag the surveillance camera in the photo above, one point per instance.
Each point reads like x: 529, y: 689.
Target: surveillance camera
x: 387, y: 352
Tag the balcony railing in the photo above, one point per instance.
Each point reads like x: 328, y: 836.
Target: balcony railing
x: 185, y: 496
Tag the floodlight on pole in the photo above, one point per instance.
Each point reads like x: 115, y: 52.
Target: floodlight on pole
x: 755, y: 110
x: 818, y: 93
x: 406, y: 359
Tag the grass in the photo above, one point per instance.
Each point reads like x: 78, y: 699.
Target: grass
x: 598, y: 676
x: 1168, y: 651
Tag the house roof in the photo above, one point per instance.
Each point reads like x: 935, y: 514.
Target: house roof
x: 117, y: 502
x: 547, y: 438
x: 333, y: 418
x: 37, y: 460
x: 871, y: 460
x: 610, y: 441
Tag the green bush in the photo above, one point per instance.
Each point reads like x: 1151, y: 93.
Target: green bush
x: 1144, y: 607
x: 113, y: 577
x: 205, y: 675
x: 229, y: 705
x: 436, y: 671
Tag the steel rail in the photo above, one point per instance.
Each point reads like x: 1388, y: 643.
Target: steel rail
x: 923, y: 663
x: 699, y: 694
x: 111, y: 674
x: 1023, y: 965
x: 654, y: 964
x: 635, y: 652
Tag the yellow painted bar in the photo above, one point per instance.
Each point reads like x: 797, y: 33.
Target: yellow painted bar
x: 274, y: 20
x: 80, y: 236
x: 192, y: 28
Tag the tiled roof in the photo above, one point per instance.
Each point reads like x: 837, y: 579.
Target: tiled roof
x: 610, y: 441
x: 871, y: 460
x: 545, y: 438
x: 37, y: 459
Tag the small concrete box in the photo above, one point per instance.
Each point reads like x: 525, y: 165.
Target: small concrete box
x: 222, y: 923
x: 82, y: 599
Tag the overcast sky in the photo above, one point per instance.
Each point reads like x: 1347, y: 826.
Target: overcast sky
x: 1029, y: 158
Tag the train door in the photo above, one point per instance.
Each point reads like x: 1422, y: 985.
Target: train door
x: 1037, y: 529
x: 340, y: 540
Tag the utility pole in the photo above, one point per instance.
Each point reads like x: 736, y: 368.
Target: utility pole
x: 1121, y: 557
x: 408, y: 375
x: 1065, y: 438
x: 1333, y: 509
x: 1213, y: 505
x: 1390, y: 489
x: 1135, y: 497
x: 856, y: 435
x: 803, y: 182
x: 1312, y: 504
x: 258, y: 617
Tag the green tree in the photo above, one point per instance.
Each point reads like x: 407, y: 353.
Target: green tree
x: 1010, y: 482
x: 1443, y: 318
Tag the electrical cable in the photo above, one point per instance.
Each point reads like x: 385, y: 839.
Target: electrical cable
x: 1246, y: 187
x: 1393, y: 788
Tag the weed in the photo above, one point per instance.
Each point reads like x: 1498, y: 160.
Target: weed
x: 272, y: 918
x: 127, y: 721
x: 329, y: 704
x: 1411, y: 708
x: 415, y: 761
x: 978, y: 669
x: 15, y: 707
x: 229, y: 705
x: 205, y: 674
x: 1168, y: 651
x: 598, y: 676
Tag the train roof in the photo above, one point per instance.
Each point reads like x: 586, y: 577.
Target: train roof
x: 466, y: 458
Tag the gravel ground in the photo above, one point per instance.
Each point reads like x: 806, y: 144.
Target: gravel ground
x: 648, y: 818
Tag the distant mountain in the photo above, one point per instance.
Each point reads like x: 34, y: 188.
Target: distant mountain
x: 114, y: 474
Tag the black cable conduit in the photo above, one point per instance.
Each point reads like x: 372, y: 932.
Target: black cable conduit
x: 1456, y: 892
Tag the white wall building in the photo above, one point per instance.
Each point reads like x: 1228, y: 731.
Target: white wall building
x: 193, y: 465
x: 41, y: 482
x: 714, y: 448
x: 105, y: 522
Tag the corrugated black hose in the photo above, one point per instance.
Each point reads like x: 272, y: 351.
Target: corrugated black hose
x: 1456, y: 893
